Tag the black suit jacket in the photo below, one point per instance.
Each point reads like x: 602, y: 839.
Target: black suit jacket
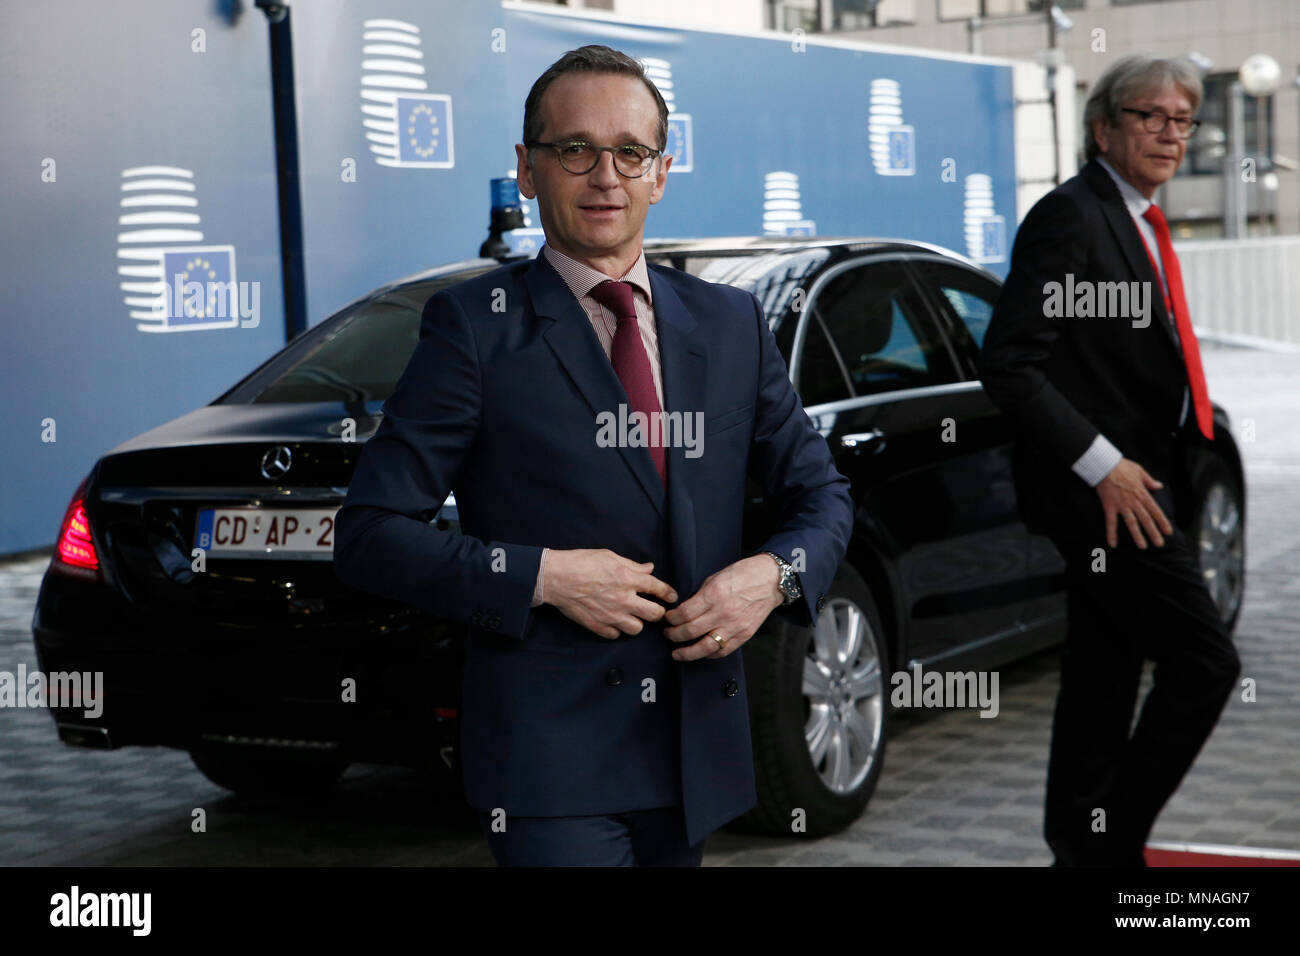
x: 1064, y: 380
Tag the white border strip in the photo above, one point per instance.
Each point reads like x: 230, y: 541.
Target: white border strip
x: 811, y: 39
x: 1218, y: 849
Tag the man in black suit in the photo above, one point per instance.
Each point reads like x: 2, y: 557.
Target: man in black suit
x: 1091, y: 354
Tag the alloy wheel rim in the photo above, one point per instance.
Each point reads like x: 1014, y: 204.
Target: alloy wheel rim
x: 843, y: 698
x: 1222, y: 551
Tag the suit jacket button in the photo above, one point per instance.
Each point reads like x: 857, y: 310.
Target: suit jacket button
x: 494, y: 621
x: 821, y: 602
x: 613, y: 677
x: 731, y: 688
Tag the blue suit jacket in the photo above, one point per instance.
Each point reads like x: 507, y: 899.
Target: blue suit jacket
x: 499, y: 403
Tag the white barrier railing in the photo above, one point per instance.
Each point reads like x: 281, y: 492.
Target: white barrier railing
x: 1248, y: 288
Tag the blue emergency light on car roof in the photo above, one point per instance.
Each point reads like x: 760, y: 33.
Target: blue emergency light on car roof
x: 505, y: 194
x: 507, y: 214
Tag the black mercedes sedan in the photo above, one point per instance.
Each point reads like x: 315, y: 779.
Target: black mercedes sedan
x: 193, y: 565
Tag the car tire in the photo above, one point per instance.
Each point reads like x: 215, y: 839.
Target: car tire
x: 795, y: 792
x: 267, y: 774
x: 1217, y: 534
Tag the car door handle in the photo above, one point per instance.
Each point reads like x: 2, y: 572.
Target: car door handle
x: 859, y: 440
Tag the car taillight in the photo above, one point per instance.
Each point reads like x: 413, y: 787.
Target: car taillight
x: 74, y: 553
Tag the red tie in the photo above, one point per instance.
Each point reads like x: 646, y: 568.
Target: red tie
x: 1182, y: 320
x: 631, y: 364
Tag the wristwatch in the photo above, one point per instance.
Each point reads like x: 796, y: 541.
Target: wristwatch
x: 789, y: 579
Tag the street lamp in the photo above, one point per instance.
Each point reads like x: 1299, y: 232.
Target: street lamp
x: 1059, y: 20
x: 1260, y: 76
x: 1051, y: 59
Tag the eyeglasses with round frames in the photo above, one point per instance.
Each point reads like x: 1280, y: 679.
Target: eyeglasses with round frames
x: 1155, y: 121
x: 577, y: 156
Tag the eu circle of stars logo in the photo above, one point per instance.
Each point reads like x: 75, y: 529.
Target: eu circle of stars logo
x: 200, y: 271
x: 421, y: 133
x: 422, y: 130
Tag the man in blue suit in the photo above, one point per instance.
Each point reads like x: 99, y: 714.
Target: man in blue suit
x: 596, y: 418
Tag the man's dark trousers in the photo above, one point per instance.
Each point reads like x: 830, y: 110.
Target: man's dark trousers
x: 655, y: 837
x: 1145, y: 604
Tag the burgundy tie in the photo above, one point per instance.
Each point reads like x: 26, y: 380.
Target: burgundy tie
x: 1182, y: 320
x: 631, y: 364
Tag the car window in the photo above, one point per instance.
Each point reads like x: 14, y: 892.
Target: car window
x: 358, y: 355
x: 868, y: 331
x: 968, y: 297
x: 777, y: 286
x: 775, y: 278
x: 823, y: 376
x: 363, y: 359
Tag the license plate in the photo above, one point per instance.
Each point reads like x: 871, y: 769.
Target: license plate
x: 266, y: 532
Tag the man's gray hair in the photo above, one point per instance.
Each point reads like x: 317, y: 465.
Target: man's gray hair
x: 1130, y: 77
x: 592, y: 58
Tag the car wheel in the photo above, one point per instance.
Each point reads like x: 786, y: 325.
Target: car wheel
x: 1218, y: 535
x: 818, y: 711
x: 267, y: 775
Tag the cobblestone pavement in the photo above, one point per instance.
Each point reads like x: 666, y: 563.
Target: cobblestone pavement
x: 956, y: 789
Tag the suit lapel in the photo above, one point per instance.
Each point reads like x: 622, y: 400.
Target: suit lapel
x: 683, y: 362
x: 1130, y: 243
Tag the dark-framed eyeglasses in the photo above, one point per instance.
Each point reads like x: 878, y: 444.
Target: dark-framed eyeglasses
x: 577, y: 156
x: 1155, y: 121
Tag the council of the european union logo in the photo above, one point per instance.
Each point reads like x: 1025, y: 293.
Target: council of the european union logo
x: 986, y: 231
x: 405, y: 124
x: 680, y: 145
x: 161, y: 241
x: 892, y: 142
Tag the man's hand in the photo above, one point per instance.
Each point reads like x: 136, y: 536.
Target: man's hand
x: 599, y: 589
x: 1126, y: 492
x: 733, y: 602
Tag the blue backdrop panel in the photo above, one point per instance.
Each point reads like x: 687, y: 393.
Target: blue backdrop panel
x: 160, y: 161
x: 403, y: 118
x: 407, y: 109
x: 124, y: 148
x: 831, y: 140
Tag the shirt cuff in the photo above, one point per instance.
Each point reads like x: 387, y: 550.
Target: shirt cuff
x: 1098, y: 461
x: 541, y: 571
